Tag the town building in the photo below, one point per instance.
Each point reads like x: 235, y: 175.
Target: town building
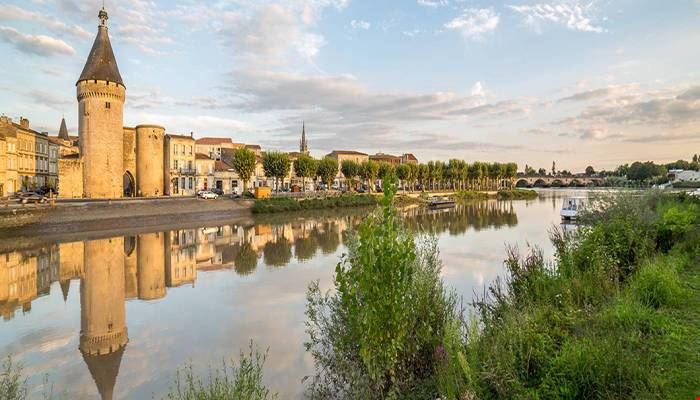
x: 385, y: 158
x: 179, y: 165
x: 346, y: 155
x: 26, y: 154
x: 205, y: 171
x: 680, y: 175
x: 213, y: 147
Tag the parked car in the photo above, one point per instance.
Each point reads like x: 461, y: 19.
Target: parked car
x: 32, y: 197
x: 206, y: 194
x: 218, y: 191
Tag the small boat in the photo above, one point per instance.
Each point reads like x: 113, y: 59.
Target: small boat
x: 572, y: 207
x: 440, y: 202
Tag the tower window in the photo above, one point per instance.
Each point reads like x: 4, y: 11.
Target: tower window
x: 108, y: 105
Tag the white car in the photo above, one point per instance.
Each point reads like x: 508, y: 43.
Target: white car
x: 205, y: 194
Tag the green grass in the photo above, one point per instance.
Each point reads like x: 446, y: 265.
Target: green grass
x: 285, y: 204
x: 505, y: 194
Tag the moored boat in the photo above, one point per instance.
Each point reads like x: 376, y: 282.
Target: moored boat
x: 571, y: 208
x: 440, y: 202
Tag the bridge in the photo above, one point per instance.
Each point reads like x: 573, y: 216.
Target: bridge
x: 557, y: 181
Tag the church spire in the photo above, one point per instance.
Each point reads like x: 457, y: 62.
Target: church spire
x: 63, y: 131
x: 303, y: 145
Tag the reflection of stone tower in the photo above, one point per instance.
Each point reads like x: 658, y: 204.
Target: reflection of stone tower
x: 101, y: 95
x: 103, y: 332
x: 130, y: 267
x: 151, y: 265
x: 149, y: 160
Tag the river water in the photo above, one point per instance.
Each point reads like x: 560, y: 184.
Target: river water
x: 115, y: 317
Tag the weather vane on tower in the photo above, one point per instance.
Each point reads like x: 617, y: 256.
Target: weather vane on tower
x: 103, y: 15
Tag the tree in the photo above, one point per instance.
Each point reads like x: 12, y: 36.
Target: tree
x: 589, y: 170
x: 412, y: 175
x: 402, y: 174
x: 327, y: 170
x: 369, y: 172
x: 350, y: 170
x: 384, y: 170
x: 542, y: 171
x: 305, y: 167
x: 554, y: 168
x: 276, y: 165
x: 423, y: 174
x: 529, y: 171
x: 244, y: 163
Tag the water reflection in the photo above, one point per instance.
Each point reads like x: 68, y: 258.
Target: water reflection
x: 145, y: 267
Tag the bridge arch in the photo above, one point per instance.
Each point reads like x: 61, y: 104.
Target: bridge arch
x: 558, y: 183
x: 540, y: 183
x: 522, y: 183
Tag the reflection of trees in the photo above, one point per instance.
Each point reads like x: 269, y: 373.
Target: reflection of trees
x: 305, y: 247
x: 456, y: 221
x: 278, y: 252
x: 328, y: 237
x: 246, y: 260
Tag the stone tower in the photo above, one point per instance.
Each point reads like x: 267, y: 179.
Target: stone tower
x: 150, y: 140
x: 101, y: 95
x: 303, y: 145
x: 103, y: 331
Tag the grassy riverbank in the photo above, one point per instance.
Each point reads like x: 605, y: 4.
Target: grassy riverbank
x: 616, y: 317
x: 285, y: 204
x: 506, y: 194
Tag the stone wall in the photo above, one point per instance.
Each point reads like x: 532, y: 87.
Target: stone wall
x: 101, y: 130
x: 70, y: 178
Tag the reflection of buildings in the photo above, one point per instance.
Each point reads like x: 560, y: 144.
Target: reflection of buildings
x: 144, y: 266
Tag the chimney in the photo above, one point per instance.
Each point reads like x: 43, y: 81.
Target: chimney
x: 192, y: 134
x: 23, y: 123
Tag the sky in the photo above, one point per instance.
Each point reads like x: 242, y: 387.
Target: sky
x: 579, y: 82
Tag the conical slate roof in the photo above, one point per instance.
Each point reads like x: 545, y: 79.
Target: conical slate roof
x: 101, y: 64
x: 63, y: 131
x: 104, y: 370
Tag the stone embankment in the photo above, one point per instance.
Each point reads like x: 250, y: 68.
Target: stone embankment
x: 76, y: 216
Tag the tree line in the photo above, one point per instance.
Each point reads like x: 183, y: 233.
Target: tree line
x: 433, y: 175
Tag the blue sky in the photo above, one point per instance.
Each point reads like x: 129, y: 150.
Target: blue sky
x: 577, y: 81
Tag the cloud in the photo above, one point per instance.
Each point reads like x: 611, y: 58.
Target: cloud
x: 360, y: 24
x: 210, y: 125
x: 610, y: 91
x: 573, y: 14
x: 39, y: 45
x: 14, y: 13
x: 598, y: 133
x: 475, y: 24
x: 433, y: 3
x: 50, y: 100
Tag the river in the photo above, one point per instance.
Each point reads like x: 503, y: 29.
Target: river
x: 115, y: 317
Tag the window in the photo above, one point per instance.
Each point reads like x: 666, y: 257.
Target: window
x: 175, y: 149
x: 183, y: 182
x: 191, y: 183
x: 190, y: 149
x: 108, y: 105
x: 175, y: 164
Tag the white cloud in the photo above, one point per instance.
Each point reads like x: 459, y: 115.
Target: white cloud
x: 360, y: 24
x: 13, y: 13
x: 474, y: 23
x: 197, y: 123
x: 575, y: 15
x: 433, y: 3
x: 35, y: 44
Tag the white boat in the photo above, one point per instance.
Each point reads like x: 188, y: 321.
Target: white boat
x: 572, y: 207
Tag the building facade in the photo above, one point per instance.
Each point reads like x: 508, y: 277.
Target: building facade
x: 213, y: 147
x: 205, y: 172
x: 179, y: 165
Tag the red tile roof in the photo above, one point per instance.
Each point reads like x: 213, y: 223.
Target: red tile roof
x: 200, y: 156
x: 348, y: 152
x: 213, y: 140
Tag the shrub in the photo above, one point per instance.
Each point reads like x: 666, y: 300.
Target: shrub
x: 656, y: 284
x: 12, y: 385
x: 241, y: 381
x: 376, y: 335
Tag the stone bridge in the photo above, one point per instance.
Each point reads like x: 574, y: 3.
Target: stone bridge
x: 557, y: 181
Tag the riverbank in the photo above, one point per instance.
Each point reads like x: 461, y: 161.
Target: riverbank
x: 285, y: 204
x: 79, y: 216
x: 505, y: 194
